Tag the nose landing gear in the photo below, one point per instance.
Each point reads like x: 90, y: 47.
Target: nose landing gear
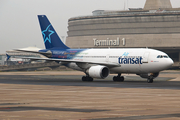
x: 150, y: 79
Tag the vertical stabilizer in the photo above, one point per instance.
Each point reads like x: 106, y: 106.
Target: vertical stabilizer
x: 51, y: 39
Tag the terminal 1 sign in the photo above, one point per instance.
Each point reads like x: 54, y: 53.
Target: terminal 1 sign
x: 108, y: 42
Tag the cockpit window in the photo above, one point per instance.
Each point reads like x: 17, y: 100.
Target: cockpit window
x: 162, y: 56
x: 159, y: 56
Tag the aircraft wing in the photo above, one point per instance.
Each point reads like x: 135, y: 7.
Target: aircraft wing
x: 109, y: 64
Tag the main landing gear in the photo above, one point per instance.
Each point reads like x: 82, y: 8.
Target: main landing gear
x: 150, y: 79
x: 87, y: 78
x: 118, y: 78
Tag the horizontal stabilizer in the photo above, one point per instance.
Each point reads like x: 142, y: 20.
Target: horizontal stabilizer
x: 47, y: 54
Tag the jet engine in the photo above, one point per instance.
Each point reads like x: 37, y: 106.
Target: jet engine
x: 147, y: 75
x: 98, y: 71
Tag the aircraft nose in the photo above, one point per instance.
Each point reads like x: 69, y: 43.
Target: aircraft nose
x: 170, y: 62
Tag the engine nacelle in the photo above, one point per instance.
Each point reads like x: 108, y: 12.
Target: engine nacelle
x: 147, y: 75
x: 98, y: 71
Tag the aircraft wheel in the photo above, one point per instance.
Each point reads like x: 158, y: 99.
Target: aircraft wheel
x: 122, y: 79
x: 90, y: 79
x: 86, y: 78
x: 118, y: 79
x: 150, y: 80
x: 115, y: 78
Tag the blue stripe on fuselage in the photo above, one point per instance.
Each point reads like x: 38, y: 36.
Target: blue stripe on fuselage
x: 63, y: 53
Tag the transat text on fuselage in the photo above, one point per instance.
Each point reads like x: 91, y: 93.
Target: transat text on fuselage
x: 125, y: 59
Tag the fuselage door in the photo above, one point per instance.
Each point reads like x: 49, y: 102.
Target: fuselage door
x: 107, y: 58
x: 145, y: 57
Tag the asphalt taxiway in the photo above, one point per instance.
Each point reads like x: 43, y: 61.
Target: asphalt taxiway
x: 62, y: 95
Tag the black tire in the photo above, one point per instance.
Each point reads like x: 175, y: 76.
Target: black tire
x: 90, y: 79
x: 150, y: 80
x: 84, y: 78
x: 118, y: 79
x: 122, y: 79
x: 115, y: 79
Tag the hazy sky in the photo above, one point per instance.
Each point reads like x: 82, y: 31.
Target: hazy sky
x: 19, y: 26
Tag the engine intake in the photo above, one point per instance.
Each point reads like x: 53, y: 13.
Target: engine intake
x: 98, y: 71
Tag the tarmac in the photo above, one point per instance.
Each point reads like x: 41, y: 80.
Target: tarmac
x: 61, y: 95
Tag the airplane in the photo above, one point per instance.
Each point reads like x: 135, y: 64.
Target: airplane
x: 99, y: 63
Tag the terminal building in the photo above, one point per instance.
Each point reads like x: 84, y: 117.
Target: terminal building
x: 156, y: 26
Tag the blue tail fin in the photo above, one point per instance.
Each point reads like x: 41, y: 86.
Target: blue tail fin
x: 51, y: 39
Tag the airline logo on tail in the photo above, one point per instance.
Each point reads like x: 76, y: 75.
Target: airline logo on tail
x: 47, y: 34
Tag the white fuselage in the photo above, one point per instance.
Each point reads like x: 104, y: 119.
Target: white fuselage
x: 138, y: 61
